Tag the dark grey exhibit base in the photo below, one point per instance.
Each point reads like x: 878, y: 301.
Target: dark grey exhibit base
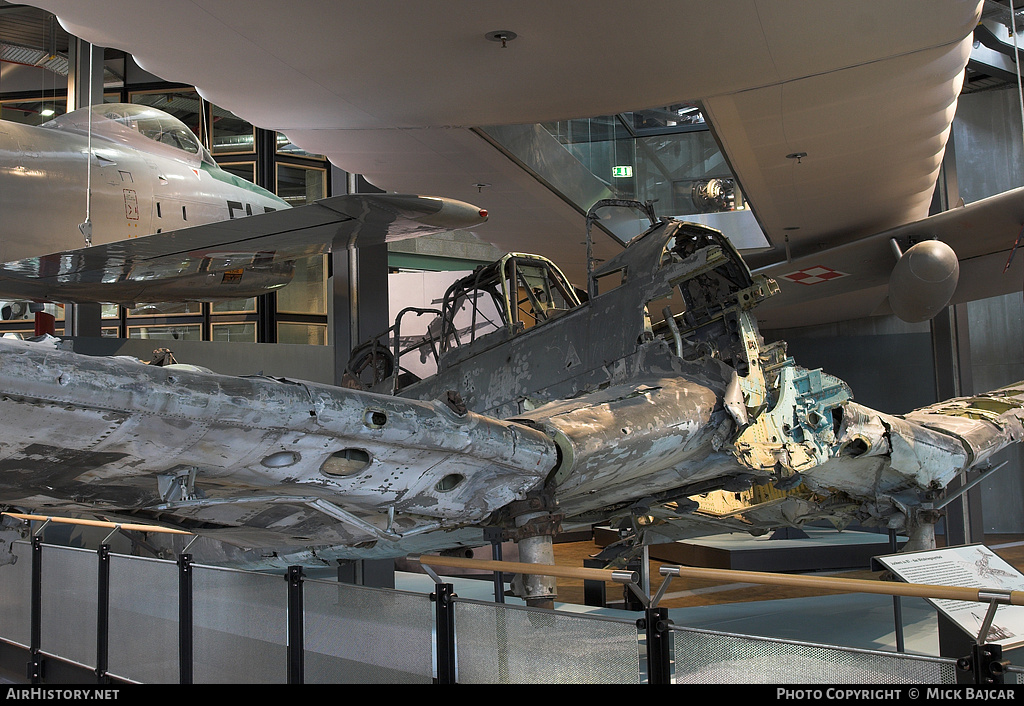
x: 812, y: 549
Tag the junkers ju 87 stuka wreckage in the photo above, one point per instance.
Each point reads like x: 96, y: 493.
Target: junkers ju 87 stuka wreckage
x: 528, y: 408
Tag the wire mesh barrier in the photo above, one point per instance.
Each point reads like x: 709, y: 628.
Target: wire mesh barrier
x: 355, y: 633
x: 143, y: 623
x: 115, y: 618
x: 705, y: 656
x: 506, y: 644
x: 16, y: 596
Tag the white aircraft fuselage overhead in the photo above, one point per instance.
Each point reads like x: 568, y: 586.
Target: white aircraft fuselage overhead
x: 148, y: 173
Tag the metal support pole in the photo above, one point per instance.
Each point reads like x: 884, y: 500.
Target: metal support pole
x: 445, y: 627
x: 185, y: 619
x: 897, y: 605
x: 296, y: 644
x: 102, y: 614
x: 35, y: 664
x: 659, y: 637
x: 494, y: 536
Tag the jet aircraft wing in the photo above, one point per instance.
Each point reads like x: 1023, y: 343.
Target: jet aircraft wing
x: 254, y: 252
x: 851, y: 280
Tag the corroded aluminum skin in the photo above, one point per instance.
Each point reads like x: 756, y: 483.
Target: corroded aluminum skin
x: 926, y: 448
x: 632, y: 440
x: 95, y: 435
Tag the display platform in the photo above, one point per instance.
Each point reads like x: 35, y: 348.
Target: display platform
x: 810, y: 549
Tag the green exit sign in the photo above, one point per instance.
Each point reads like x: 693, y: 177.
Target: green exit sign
x: 622, y: 172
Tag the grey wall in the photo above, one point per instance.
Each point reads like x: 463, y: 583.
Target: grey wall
x: 997, y: 359
x: 987, y: 136
x: 887, y: 363
x: 989, y: 160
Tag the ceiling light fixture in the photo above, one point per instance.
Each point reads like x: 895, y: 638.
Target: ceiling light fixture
x: 797, y: 156
x: 502, y: 35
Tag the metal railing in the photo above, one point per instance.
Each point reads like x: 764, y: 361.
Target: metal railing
x: 120, y: 619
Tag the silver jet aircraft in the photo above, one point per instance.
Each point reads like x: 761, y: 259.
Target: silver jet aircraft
x: 147, y: 174
x: 115, y: 172
x: 547, y: 409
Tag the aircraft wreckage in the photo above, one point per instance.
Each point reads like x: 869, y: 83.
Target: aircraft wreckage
x: 545, y: 409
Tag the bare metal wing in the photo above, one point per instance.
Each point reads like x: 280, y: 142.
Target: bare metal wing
x: 232, y: 258
x: 253, y: 461
x: 851, y: 280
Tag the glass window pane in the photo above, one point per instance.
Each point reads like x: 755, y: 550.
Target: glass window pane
x: 303, y: 334
x: 33, y: 112
x: 166, y: 308
x: 233, y: 306
x: 307, y: 292
x: 673, y: 159
x: 19, y: 311
x: 285, y: 146
x: 186, y: 332
x: 301, y: 185
x: 231, y: 134
x: 245, y: 332
x: 243, y: 170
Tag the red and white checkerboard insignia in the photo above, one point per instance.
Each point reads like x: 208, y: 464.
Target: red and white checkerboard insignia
x: 814, y: 275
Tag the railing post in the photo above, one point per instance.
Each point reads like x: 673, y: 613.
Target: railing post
x: 985, y: 663
x: 35, y: 664
x: 494, y: 535
x: 445, y: 628
x: 296, y: 645
x: 102, y: 613
x: 185, y: 619
x: 659, y: 638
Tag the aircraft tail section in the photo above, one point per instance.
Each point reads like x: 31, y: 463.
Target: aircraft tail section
x: 984, y: 424
x: 934, y: 443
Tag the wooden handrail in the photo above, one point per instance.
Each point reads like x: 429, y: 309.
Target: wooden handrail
x: 96, y: 523
x: 890, y: 588
x: 514, y: 567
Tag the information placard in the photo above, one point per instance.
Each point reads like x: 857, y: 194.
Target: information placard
x: 970, y: 566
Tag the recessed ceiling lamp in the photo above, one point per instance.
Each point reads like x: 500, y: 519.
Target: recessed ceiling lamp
x: 502, y: 35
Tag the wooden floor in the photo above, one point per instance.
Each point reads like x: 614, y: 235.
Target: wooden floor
x: 687, y: 592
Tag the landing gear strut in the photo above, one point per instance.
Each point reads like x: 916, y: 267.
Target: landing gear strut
x: 535, y: 527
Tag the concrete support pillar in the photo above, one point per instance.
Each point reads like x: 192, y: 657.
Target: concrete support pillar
x: 359, y: 288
